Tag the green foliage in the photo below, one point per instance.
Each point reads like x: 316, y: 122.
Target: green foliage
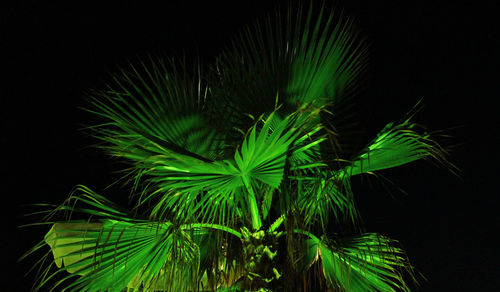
x: 232, y: 180
x: 368, y: 262
x: 113, y: 256
x: 395, y: 145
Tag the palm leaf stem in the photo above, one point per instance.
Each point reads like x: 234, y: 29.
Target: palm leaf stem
x: 211, y: 226
x: 252, y: 201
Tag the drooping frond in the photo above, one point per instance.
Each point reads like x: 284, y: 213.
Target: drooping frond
x: 83, y: 200
x: 368, y: 262
x: 319, y: 192
x: 304, y: 154
x: 123, y: 252
x: 115, y: 255
x: 324, y: 199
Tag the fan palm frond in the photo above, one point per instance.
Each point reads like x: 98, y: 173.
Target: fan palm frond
x: 153, y: 108
x: 123, y: 252
x: 214, y: 186
x: 328, y: 57
x: 397, y: 144
x: 367, y: 262
x: 294, y: 57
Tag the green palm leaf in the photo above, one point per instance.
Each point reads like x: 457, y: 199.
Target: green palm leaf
x: 323, y: 199
x: 329, y: 57
x: 152, y: 110
x: 368, y: 262
x: 212, y: 187
x: 114, y: 254
x: 395, y: 145
x: 293, y: 58
x: 123, y: 254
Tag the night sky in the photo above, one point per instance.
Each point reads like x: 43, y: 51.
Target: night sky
x: 446, y: 54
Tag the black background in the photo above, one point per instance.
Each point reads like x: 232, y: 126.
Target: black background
x: 445, y: 53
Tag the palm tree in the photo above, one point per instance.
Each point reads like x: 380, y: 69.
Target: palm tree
x: 239, y: 172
